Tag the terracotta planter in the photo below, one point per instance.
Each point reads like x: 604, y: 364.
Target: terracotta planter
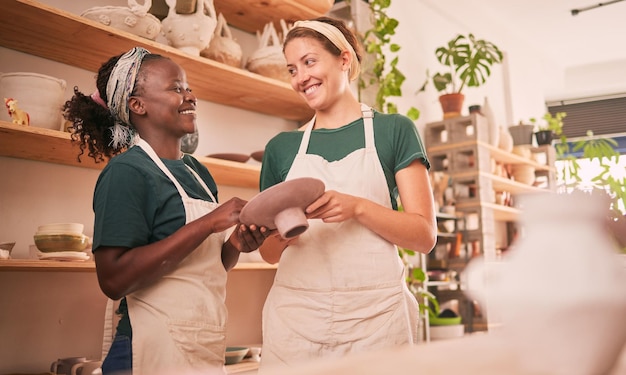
x: 451, y: 104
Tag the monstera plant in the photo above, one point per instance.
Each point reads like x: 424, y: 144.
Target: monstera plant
x: 468, y: 63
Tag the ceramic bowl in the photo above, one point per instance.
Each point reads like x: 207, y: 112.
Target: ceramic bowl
x: 447, y: 332
x: 61, y: 228
x: 48, y: 243
x: 5, y: 249
x: 234, y: 354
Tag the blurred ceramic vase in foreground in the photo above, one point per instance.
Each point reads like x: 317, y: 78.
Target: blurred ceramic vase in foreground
x: 559, y: 292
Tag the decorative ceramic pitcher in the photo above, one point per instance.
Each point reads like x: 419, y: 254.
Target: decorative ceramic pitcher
x: 190, y: 33
x: 223, y: 47
x: 39, y: 95
x: 134, y: 19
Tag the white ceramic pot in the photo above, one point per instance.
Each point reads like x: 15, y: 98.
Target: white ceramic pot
x: 268, y: 60
x: 39, y: 95
x: 134, y: 19
x: 190, y: 33
x: 223, y: 47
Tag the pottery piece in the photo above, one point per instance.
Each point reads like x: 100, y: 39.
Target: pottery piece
x: 505, y: 141
x: 189, y: 142
x: 39, y: 95
x: 64, y: 365
x: 190, y: 33
x: 241, y: 158
x: 558, y: 321
x: 257, y: 155
x: 522, y: 134
x: 223, y: 47
x: 523, y: 173
x: 268, y: 60
x: 282, y: 206
x: 492, y: 126
x: 134, y: 19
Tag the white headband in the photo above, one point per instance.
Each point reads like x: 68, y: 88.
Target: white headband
x: 337, y: 38
x: 120, y: 86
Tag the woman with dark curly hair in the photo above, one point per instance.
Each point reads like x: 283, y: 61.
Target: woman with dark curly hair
x: 159, y: 235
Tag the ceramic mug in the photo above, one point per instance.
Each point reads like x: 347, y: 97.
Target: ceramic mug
x: 64, y: 365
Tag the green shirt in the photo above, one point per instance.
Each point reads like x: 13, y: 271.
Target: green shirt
x: 397, y: 144
x: 136, y: 204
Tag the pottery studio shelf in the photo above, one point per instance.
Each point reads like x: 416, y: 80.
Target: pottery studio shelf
x: 252, y: 15
x: 53, y: 146
x: 30, y: 265
x: 41, y: 30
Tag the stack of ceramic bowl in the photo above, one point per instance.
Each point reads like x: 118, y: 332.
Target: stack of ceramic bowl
x: 62, y: 241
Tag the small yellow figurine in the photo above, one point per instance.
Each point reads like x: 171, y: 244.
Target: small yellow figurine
x: 19, y: 117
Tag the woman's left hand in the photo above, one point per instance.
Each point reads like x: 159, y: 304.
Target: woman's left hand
x: 248, y: 238
x: 333, y: 207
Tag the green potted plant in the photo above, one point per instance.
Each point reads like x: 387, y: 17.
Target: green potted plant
x: 548, y: 127
x: 468, y: 61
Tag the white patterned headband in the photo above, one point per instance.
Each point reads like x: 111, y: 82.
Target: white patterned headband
x: 120, y: 86
x: 337, y: 38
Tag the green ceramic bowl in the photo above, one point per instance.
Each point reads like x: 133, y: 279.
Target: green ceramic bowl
x: 438, y: 321
x: 49, y: 243
x: 234, y: 354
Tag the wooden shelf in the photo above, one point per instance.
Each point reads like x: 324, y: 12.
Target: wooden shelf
x: 31, y: 265
x: 38, y: 29
x: 496, y: 153
x: 500, y: 212
x: 252, y: 15
x: 33, y: 143
x: 502, y: 184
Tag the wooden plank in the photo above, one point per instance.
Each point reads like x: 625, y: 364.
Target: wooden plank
x: 21, y: 265
x: 252, y: 15
x: 41, y: 30
x: 53, y: 146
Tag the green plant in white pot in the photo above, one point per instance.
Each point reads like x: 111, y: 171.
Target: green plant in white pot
x: 468, y: 61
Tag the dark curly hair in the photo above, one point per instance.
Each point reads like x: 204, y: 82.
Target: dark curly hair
x: 299, y: 32
x: 91, y: 122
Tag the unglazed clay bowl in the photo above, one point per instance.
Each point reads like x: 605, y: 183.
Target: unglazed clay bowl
x: 282, y: 206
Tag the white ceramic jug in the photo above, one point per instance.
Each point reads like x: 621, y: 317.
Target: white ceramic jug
x: 190, y: 33
x: 39, y: 95
x: 268, y: 60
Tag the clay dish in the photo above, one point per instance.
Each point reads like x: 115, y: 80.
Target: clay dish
x: 282, y: 206
x: 242, y: 158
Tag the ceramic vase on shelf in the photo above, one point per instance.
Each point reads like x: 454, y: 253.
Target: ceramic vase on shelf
x: 223, y: 47
x: 190, y: 33
x: 268, y: 59
x: 559, y: 289
x: 134, y: 19
x: 39, y: 95
x: 493, y: 128
x: 505, y: 141
x: 522, y: 134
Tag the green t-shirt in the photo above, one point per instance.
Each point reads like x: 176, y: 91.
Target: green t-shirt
x: 136, y: 204
x: 397, y: 144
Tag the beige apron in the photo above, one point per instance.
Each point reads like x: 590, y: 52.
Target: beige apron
x: 341, y: 287
x: 180, y: 322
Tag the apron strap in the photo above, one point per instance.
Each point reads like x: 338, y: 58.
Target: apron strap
x: 150, y: 151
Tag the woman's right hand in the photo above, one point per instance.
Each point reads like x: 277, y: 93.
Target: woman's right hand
x: 226, y: 214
